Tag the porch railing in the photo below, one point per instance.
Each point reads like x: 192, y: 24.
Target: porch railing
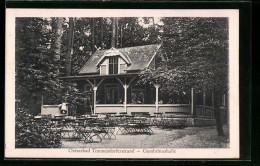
x: 150, y: 108
x: 112, y: 108
x: 204, y: 111
x: 178, y: 108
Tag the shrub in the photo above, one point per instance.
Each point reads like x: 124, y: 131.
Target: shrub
x: 31, y: 134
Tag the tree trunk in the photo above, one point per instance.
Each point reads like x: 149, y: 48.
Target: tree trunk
x: 116, y: 25
x: 93, y: 36
x: 217, y: 104
x: 57, y: 42
x: 102, y: 33
x: 57, y: 45
x: 70, y: 47
x: 113, y: 38
x: 121, y: 35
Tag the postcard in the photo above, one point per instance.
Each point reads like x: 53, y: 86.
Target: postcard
x: 122, y: 83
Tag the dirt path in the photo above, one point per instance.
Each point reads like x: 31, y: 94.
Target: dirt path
x: 190, y: 137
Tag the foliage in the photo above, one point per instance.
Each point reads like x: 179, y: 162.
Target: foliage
x: 138, y: 31
x: 70, y: 93
x: 195, y: 52
x: 29, y: 134
x: 36, y: 71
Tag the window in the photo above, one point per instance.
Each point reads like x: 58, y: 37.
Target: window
x: 113, y: 65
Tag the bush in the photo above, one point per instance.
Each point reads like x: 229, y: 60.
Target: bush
x: 31, y: 134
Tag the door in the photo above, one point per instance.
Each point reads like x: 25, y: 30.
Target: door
x: 111, y: 94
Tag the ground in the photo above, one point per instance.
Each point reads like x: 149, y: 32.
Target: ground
x: 190, y: 137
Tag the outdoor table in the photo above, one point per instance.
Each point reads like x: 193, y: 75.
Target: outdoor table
x: 121, y: 128
x: 56, y: 121
x: 105, y: 132
x: 59, y: 116
x: 120, y: 118
x: 80, y: 118
x: 89, y: 118
x: 156, y: 121
x: 37, y: 117
x: 68, y: 122
x: 173, y: 122
x: 96, y: 124
x: 88, y: 134
x: 140, y: 118
x: 129, y: 118
x: 122, y: 113
x: 69, y: 129
x: 142, y: 127
x: 158, y: 114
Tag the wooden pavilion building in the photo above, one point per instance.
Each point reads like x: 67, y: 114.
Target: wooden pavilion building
x: 109, y: 79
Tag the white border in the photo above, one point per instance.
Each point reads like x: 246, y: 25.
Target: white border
x: 11, y: 14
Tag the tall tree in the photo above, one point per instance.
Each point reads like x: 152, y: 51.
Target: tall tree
x: 57, y: 41
x: 35, y: 68
x: 102, y: 32
x: 113, y: 37
x: 121, y: 35
x: 70, y: 47
x: 93, y: 35
x: 196, y: 55
x: 137, y: 31
x: 82, y: 47
x: 116, y: 29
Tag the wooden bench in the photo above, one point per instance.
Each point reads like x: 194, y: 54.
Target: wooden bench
x: 107, y: 113
x: 176, y: 114
x: 144, y: 114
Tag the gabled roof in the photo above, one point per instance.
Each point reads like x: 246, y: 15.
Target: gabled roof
x: 113, y: 52
x: 139, y: 57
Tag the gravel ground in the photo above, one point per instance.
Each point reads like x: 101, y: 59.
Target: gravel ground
x: 190, y: 137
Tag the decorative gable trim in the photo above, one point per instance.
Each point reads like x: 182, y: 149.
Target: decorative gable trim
x: 113, y: 52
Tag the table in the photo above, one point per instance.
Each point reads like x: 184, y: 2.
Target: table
x: 173, y: 122
x: 130, y: 128
x: 158, y: 114
x: 89, y: 134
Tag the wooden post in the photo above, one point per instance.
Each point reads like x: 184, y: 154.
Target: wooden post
x: 95, y: 98
x: 192, y: 103
x: 125, y: 99
x: 157, y: 97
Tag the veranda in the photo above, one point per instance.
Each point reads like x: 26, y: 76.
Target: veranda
x: 118, y: 93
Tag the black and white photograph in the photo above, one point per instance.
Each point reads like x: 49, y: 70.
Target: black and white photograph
x: 92, y: 83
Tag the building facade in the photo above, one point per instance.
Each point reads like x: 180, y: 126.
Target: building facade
x: 110, y: 82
